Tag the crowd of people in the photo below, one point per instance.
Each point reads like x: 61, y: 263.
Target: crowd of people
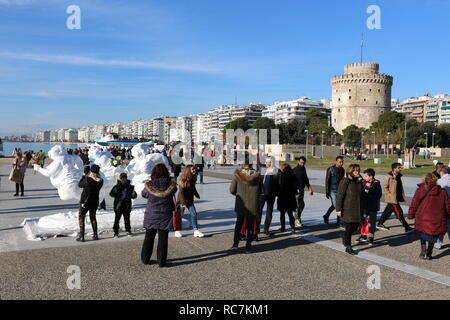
x: 355, y: 198
x: 354, y: 195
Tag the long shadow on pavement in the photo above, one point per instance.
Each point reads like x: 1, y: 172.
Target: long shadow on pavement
x: 40, y: 208
x: 258, y: 247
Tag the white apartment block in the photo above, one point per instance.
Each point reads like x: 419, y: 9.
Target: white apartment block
x: 71, y: 135
x: 158, y: 129
x: 199, y: 130
x: 282, y: 112
x: 43, y: 136
x: 252, y: 112
x: 426, y: 108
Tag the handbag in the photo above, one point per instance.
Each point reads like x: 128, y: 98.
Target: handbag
x: 16, y: 174
x: 176, y: 213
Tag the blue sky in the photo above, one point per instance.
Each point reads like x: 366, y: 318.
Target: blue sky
x: 141, y: 59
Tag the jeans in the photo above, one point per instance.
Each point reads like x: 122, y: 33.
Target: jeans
x: 333, y: 205
x: 372, y: 222
x: 147, y: 246
x: 300, y: 203
x: 270, y: 200
x: 193, y: 216
x: 200, y: 173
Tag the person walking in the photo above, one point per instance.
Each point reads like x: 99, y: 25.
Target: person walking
x: 430, y: 208
x: 123, y: 192
x: 270, y: 189
x: 186, y: 196
x: 334, y: 175
x: 394, y: 194
x: 350, y: 204
x: 372, y: 196
x: 444, y: 183
x: 91, y: 184
x: 201, y: 166
x: 158, y: 216
x: 286, y: 197
x: 20, y: 166
x: 438, y: 168
x: 302, y: 182
x: 246, y: 186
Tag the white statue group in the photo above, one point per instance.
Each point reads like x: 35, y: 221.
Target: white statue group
x: 66, y: 170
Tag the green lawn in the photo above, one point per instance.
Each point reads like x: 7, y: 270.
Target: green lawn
x: 423, y: 166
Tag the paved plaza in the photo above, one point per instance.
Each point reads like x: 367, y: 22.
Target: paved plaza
x: 308, y: 265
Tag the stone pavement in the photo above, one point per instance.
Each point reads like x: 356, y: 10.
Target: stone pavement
x: 311, y: 265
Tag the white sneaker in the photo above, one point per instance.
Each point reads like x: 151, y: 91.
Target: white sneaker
x: 198, y: 234
x: 178, y: 234
x: 438, y: 245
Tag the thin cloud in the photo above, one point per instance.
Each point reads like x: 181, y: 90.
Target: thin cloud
x: 16, y: 2
x: 43, y: 94
x: 94, y: 62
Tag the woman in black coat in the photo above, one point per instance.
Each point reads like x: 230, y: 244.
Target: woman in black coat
x: 159, y: 191
x: 286, y: 196
x: 91, y: 184
x: 350, y: 204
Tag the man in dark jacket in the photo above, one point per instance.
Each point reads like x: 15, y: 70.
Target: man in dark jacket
x: 246, y: 186
x: 122, y: 193
x: 335, y: 173
x: 270, y: 189
x: 91, y: 184
x: 302, y: 182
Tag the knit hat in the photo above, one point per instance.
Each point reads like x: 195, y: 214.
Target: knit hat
x: 95, y: 169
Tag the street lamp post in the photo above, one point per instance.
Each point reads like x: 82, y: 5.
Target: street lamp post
x: 306, y: 151
x: 426, y: 145
x: 434, y: 133
x: 387, y: 146
x: 323, y: 132
x: 373, y: 151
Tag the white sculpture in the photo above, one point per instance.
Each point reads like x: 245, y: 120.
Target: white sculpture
x: 108, y: 172
x: 64, y: 172
x: 140, y: 168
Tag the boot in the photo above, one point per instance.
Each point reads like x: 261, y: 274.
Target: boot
x: 102, y: 205
x: 94, y: 229
x: 80, y: 237
x: 423, y: 251
x: 430, y: 251
x: 349, y: 250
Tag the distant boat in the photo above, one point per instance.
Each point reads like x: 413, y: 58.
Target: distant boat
x: 112, y: 139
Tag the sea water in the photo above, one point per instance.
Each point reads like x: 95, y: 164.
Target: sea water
x: 8, y: 147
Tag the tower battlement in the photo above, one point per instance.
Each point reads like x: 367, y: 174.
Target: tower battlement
x: 364, y: 67
x: 363, y: 78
